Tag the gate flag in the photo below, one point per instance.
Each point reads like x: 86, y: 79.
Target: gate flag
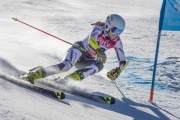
x: 170, y: 15
x: 169, y: 20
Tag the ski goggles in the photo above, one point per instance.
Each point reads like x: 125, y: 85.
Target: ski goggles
x: 116, y: 30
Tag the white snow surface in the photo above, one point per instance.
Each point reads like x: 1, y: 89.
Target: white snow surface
x: 22, y: 48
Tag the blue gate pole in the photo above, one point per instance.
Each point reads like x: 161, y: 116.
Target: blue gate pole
x: 155, y: 64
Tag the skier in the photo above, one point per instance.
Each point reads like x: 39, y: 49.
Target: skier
x: 103, y: 37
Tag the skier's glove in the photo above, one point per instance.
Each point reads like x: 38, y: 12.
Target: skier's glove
x: 101, y: 56
x: 114, y: 73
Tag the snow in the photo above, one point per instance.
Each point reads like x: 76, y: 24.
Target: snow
x: 23, y: 48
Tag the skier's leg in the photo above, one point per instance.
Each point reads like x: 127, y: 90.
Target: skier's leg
x: 85, y: 72
x: 84, y: 62
x: 58, y: 68
x: 72, y: 57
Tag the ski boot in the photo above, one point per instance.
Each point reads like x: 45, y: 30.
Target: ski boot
x: 34, y: 74
x: 77, y: 75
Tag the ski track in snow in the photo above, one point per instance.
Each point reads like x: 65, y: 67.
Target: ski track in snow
x: 23, y: 48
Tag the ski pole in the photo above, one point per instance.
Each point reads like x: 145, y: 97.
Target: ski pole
x: 119, y: 90
x: 91, y: 53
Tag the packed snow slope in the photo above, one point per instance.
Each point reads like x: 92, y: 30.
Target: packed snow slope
x: 22, y: 48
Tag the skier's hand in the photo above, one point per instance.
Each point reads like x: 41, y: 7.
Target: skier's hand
x: 113, y: 74
x: 101, y: 56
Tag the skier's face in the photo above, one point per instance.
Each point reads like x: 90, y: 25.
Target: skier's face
x: 111, y: 35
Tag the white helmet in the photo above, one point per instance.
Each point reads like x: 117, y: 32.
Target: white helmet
x: 115, y: 23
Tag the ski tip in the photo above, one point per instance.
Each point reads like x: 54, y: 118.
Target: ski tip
x: 15, y: 19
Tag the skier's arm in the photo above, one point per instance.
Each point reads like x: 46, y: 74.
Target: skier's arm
x: 114, y: 73
x: 120, y: 54
x: 92, y: 41
x: 100, y: 52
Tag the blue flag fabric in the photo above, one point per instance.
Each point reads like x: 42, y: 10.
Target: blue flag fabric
x: 170, y: 15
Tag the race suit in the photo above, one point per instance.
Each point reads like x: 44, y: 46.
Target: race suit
x: 87, y: 63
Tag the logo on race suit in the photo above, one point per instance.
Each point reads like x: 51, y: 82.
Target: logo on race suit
x: 106, y: 43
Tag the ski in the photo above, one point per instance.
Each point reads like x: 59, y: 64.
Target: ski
x: 105, y: 99
x: 55, y: 94
x: 108, y: 100
x: 102, y: 99
x: 50, y: 92
x: 59, y: 95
